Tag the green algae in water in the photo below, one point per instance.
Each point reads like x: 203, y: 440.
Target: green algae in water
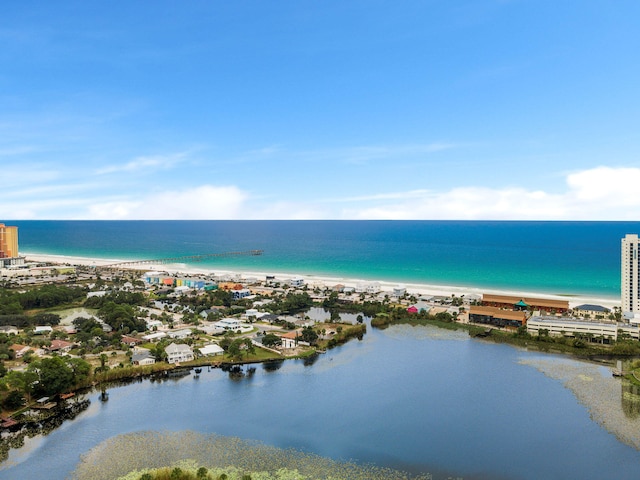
x: 140, y: 451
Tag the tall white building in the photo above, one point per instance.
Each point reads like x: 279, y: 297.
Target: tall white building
x: 630, y: 274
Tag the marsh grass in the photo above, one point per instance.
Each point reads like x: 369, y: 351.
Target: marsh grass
x: 131, y: 455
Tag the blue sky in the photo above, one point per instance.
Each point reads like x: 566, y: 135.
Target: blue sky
x: 337, y: 109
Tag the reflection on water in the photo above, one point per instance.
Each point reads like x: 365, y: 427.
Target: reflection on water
x: 612, y: 403
x: 415, y: 399
x: 68, y: 315
x: 272, y: 365
x: 120, y: 455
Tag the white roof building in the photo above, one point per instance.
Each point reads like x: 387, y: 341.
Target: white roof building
x: 180, y: 334
x: 152, y: 337
x: 368, y: 287
x: 228, y: 324
x: 211, y: 350
x: 153, y: 323
x: 42, y: 329
x: 399, y: 290
x: 178, y: 352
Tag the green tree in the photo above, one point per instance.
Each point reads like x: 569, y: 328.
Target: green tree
x: 81, y: 369
x: 444, y: 317
x: 309, y: 335
x: 54, y: 376
x: 234, y: 350
x: 14, y: 400
x: 22, y: 381
x: 271, y: 340
x: 103, y: 362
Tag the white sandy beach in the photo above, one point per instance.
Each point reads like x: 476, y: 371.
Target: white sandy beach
x: 417, y: 289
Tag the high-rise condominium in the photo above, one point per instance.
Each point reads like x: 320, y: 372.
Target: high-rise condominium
x: 630, y: 274
x: 8, y: 241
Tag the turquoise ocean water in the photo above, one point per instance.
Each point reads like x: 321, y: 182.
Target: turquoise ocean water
x: 580, y: 258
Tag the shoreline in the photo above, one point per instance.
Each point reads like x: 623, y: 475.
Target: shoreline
x: 412, y: 288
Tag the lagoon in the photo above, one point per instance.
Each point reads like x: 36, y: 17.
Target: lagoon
x: 415, y: 398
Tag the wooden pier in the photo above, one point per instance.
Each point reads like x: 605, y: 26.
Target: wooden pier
x: 182, y: 259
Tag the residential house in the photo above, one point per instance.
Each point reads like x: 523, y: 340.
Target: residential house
x: 19, y: 350
x: 179, y: 352
x: 269, y: 317
x: 290, y: 339
x: 60, y: 346
x: 142, y: 356
x: 9, y: 330
x: 226, y: 324
x: 242, y: 293
x: 399, y: 290
x: 131, y: 341
x: 180, y: 334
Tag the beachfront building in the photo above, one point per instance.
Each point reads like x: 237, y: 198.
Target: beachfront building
x: 591, y: 311
x: 630, y: 274
x: 399, y: 290
x: 8, y: 241
x: 9, y: 246
x: 497, y: 317
x: 368, y: 287
x: 525, y: 303
x: 570, y: 327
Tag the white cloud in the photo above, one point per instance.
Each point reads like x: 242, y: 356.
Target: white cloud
x: 199, y: 203
x: 602, y: 193
x: 613, y: 186
x: 163, y: 162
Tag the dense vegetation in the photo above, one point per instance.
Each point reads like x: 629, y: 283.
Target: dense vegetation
x: 48, y: 376
x: 292, y: 303
x: 24, y: 321
x: 47, y: 296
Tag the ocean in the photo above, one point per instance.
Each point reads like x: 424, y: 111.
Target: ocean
x: 560, y: 258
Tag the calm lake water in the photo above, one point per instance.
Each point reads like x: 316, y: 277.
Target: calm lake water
x: 419, y: 399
